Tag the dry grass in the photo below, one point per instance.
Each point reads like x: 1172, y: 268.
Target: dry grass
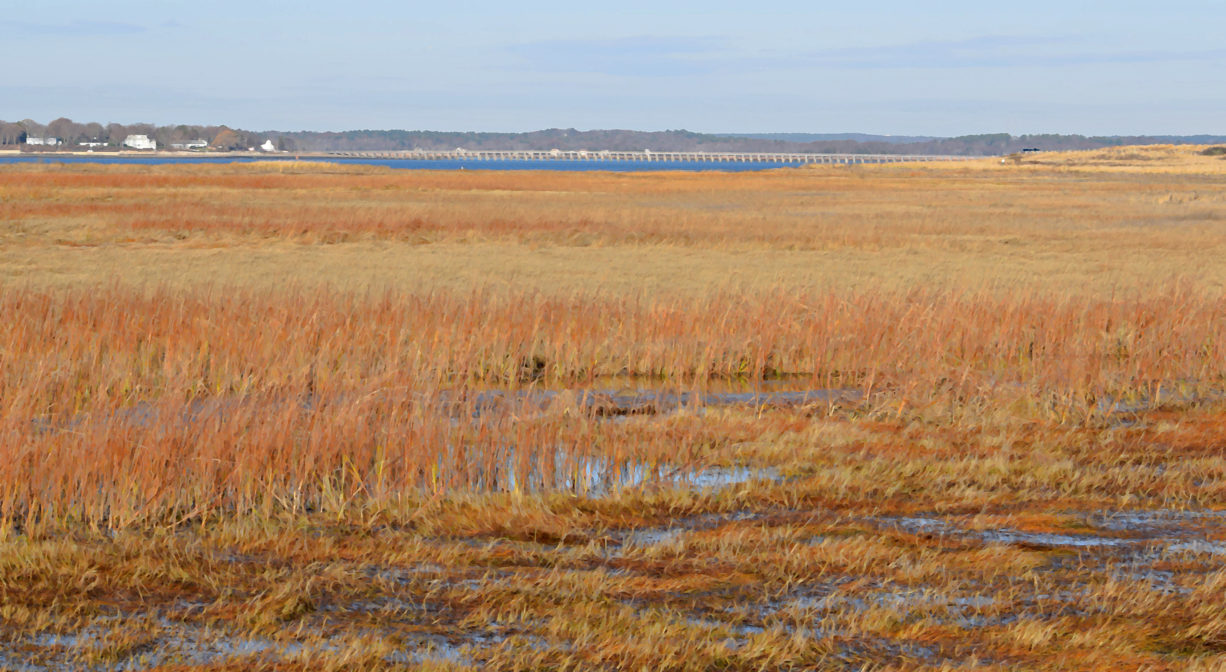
x: 207, y: 464
x: 955, y: 225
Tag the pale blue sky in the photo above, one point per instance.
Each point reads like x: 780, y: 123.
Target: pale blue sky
x: 876, y: 66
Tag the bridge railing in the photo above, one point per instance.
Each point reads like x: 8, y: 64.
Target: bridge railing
x: 648, y: 155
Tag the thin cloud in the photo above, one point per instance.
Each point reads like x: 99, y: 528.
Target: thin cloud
x: 75, y: 28
x: 642, y: 56
x: 990, y: 52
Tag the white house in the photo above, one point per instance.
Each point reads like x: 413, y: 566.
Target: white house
x: 267, y: 146
x: 195, y: 144
x: 140, y: 142
x: 31, y: 140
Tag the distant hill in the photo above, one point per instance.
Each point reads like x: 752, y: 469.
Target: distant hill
x: 820, y: 137
x: 112, y: 136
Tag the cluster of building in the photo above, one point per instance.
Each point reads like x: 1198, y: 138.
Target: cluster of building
x: 132, y: 142
x: 141, y: 142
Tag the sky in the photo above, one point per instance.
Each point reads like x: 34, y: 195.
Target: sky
x: 874, y: 66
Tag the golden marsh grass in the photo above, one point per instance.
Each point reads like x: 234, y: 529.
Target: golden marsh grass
x: 293, y: 417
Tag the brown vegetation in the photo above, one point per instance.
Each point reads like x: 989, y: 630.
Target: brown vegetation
x: 390, y: 470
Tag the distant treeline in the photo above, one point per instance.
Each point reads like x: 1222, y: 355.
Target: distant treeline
x: 223, y: 138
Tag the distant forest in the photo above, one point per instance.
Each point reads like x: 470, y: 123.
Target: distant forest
x: 72, y: 134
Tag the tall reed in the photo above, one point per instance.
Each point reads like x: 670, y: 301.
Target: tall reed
x: 122, y: 406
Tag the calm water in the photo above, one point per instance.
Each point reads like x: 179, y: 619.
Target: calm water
x: 617, y: 166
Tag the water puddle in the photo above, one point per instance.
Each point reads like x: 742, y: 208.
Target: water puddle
x: 651, y: 402
x: 1049, y: 540
x: 169, y: 643
x: 655, y: 537
x: 1156, y: 523
x: 1134, y: 531
x: 607, y: 403
x: 499, y: 463
x: 652, y: 536
x: 715, y: 478
x: 1164, y: 398
x: 192, y: 645
x: 738, y: 633
x: 735, y: 628
x: 907, y: 602
x: 1157, y: 580
x: 1197, y: 547
x: 599, y: 477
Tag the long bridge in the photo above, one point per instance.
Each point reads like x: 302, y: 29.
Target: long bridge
x: 646, y: 155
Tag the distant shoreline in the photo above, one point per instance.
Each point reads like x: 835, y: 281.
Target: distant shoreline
x: 162, y: 153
